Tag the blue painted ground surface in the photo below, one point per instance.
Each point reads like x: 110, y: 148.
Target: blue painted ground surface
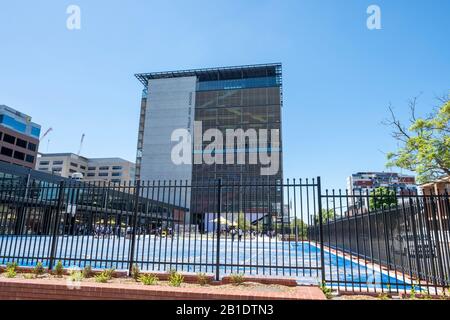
x: 259, y: 256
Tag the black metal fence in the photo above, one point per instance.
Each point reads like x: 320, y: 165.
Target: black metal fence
x: 260, y: 227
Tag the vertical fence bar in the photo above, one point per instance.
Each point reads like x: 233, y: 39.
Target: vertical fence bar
x: 55, y: 225
x: 133, y: 230
x: 319, y: 208
x: 219, y: 188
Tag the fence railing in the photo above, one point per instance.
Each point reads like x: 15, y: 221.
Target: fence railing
x: 263, y: 227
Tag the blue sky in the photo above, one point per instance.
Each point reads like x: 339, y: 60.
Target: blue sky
x: 339, y: 77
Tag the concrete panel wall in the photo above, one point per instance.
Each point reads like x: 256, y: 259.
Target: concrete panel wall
x: 170, y: 106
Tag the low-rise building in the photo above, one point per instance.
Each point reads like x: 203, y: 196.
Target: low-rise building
x: 19, y: 138
x: 361, y: 184
x: 68, y: 165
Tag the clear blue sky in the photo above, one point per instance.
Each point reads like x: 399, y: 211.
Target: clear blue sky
x: 339, y: 77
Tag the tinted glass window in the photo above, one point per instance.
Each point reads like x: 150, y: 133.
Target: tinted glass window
x: 9, y: 139
x: 21, y: 143
x: 29, y: 158
x: 7, y: 152
x: 19, y: 155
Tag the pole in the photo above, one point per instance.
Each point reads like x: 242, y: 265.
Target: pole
x: 133, y: 237
x: 322, y: 253
x: 219, y: 189
x: 55, y: 225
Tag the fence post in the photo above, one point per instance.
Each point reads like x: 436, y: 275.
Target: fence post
x: 219, y: 205
x: 133, y: 236
x: 56, y: 225
x: 319, y: 206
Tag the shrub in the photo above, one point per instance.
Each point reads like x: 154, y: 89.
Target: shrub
x: 87, y: 271
x: 135, y: 272
x: 28, y: 276
x: 10, y: 272
x: 59, y: 269
x: 12, y: 265
x: 326, y: 291
x: 38, y: 269
x: 203, y: 279
x: 237, y: 279
x: 104, y: 276
x: 175, y: 279
x: 148, y: 279
x: 76, y: 276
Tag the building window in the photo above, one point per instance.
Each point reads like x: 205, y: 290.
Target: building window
x: 44, y: 163
x: 103, y: 168
x: 21, y: 143
x: 74, y: 165
x: 103, y: 174
x: 116, y: 174
x: 91, y: 168
x: 29, y: 158
x: 90, y: 174
x: 19, y: 155
x: 82, y: 167
x: 116, y: 181
x: 117, y: 168
x: 57, y: 169
x: 58, y: 163
x: 72, y: 171
x: 9, y: 139
x: 7, y: 152
x: 43, y: 169
x: 32, y: 146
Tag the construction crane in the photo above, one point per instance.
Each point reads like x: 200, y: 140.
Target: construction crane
x: 46, y: 133
x: 81, y: 144
x: 43, y: 136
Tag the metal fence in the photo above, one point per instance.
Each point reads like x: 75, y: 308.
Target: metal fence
x: 261, y: 227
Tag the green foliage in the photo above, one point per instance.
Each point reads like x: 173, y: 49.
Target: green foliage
x: 76, y: 276
x: 38, y: 269
x: 135, y: 272
x: 424, y: 145
x: 176, y: 279
x: 299, y: 228
x: 104, y: 276
x: 203, y: 279
x: 326, y: 291
x: 382, y: 198
x: 237, y: 279
x: 148, y: 279
x: 59, y: 269
x: 87, y: 271
x: 12, y: 265
x: 243, y: 223
x: 10, y: 272
x: 413, y: 292
x: 327, y: 215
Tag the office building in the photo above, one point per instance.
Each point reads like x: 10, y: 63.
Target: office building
x: 243, y: 97
x: 361, y: 184
x: 67, y: 165
x: 19, y: 138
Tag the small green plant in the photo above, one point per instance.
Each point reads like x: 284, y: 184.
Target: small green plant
x: 326, y: 291
x: 87, y: 271
x: 59, y: 269
x: 76, y: 276
x: 413, y: 292
x: 38, y: 269
x: 203, y: 279
x: 383, y: 296
x: 135, y: 272
x: 28, y: 276
x: 148, y: 279
x: 237, y: 279
x: 10, y: 272
x: 12, y: 265
x: 105, y: 276
x: 176, y: 279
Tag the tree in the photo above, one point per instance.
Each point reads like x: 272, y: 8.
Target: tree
x: 299, y: 227
x: 243, y: 223
x: 382, y: 197
x: 425, y: 144
x: 327, y: 215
